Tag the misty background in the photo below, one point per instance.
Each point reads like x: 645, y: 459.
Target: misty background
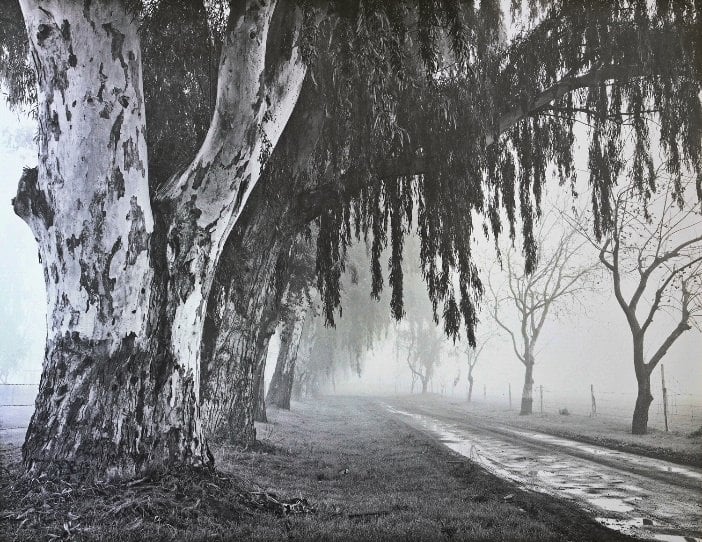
x: 589, y: 345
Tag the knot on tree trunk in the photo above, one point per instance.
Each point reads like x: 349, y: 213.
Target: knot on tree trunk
x: 31, y: 203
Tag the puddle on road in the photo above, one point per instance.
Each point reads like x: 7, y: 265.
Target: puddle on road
x: 631, y: 459
x: 615, y: 497
x: 611, y: 504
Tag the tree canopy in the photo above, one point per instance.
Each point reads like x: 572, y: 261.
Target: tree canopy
x: 437, y: 116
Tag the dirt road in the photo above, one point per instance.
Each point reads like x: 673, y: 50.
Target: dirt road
x: 643, y: 497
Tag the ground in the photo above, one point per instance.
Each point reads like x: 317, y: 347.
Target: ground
x: 367, y: 475
x: 677, y: 446
x: 649, y: 498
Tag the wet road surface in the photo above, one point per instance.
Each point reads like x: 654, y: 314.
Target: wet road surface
x: 644, y: 497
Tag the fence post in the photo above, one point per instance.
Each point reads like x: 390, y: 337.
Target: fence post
x: 665, y: 398
x: 541, y: 397
x: 593, y: 406
x: 510, y: 395
x: 484, y: 391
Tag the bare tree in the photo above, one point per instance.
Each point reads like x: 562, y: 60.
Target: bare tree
x: 559, y: 274
x: 654, y: 256
x: 464, y: 352
x: 472, y: 358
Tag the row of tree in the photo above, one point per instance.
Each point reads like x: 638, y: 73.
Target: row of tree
x: 652, y: 256
x: 184, y: 146
x: 653, y: 251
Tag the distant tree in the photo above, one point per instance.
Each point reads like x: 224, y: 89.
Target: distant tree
x: 292, y: 327
x: 319, y: 362
x: 471, y: 355
x: 422, y: 341
x: 321, y: 346
x: 558, y: 275
x: 653, y: 253
x: 419, y: 336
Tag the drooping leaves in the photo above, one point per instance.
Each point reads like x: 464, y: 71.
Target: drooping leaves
x: 437, y: 116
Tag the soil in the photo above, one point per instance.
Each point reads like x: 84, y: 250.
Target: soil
x: 331, y: 469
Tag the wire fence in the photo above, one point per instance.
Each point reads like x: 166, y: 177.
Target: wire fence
x: 683, y: 410
x: 16, y: 407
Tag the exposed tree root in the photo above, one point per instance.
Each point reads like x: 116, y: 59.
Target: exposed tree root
x: 177, y: 499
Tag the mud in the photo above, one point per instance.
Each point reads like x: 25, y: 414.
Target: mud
x: 639, y: 496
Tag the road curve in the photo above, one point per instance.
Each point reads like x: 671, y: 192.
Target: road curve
x: 644, y: 497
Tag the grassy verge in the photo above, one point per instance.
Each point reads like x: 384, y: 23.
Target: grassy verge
x: 368, y: 477
x: 675, y: 446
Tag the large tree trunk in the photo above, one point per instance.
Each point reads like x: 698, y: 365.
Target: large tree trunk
x: 251, y: 279
x: 527, y: 391
x: 644, y: 398
x: 111, y: 398
x: 259, y: 84
x: 241, y: 319
x: 126, y: 289
x: 470, y: 384
x: 280, y: 389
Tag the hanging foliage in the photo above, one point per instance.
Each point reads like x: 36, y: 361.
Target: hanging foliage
x: 439, y: 117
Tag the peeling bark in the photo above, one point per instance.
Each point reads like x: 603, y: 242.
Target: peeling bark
x: 111, y: 399
x: 251, y: 279
x: 127, y: 286
x: 257, y: 91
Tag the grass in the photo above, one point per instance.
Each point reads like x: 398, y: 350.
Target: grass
x: 679, y: 447
x: 351, y: 472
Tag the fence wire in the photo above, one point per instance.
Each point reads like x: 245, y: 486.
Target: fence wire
x: 684, y: 409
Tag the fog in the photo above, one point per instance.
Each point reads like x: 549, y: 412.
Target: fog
x: 584, y: 342
x: 589, y: 345
x: 22, y: 297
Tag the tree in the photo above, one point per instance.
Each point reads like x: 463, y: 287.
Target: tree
x: 280, y: 389
x: 419, y: 336
x: 559, y: 275
x: 294, y: 316
x: 422, y: 342
x: 472, y: 356
x: 654, y: 250
x: 266, y: 250
x: 306, y: 332
x: 318, y: 361
x: 130, y: 257
x: 259, y: 386
x: 132, y: 337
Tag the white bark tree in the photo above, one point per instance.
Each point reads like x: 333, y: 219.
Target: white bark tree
x: 127, y: 293
x: 559, y: 275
